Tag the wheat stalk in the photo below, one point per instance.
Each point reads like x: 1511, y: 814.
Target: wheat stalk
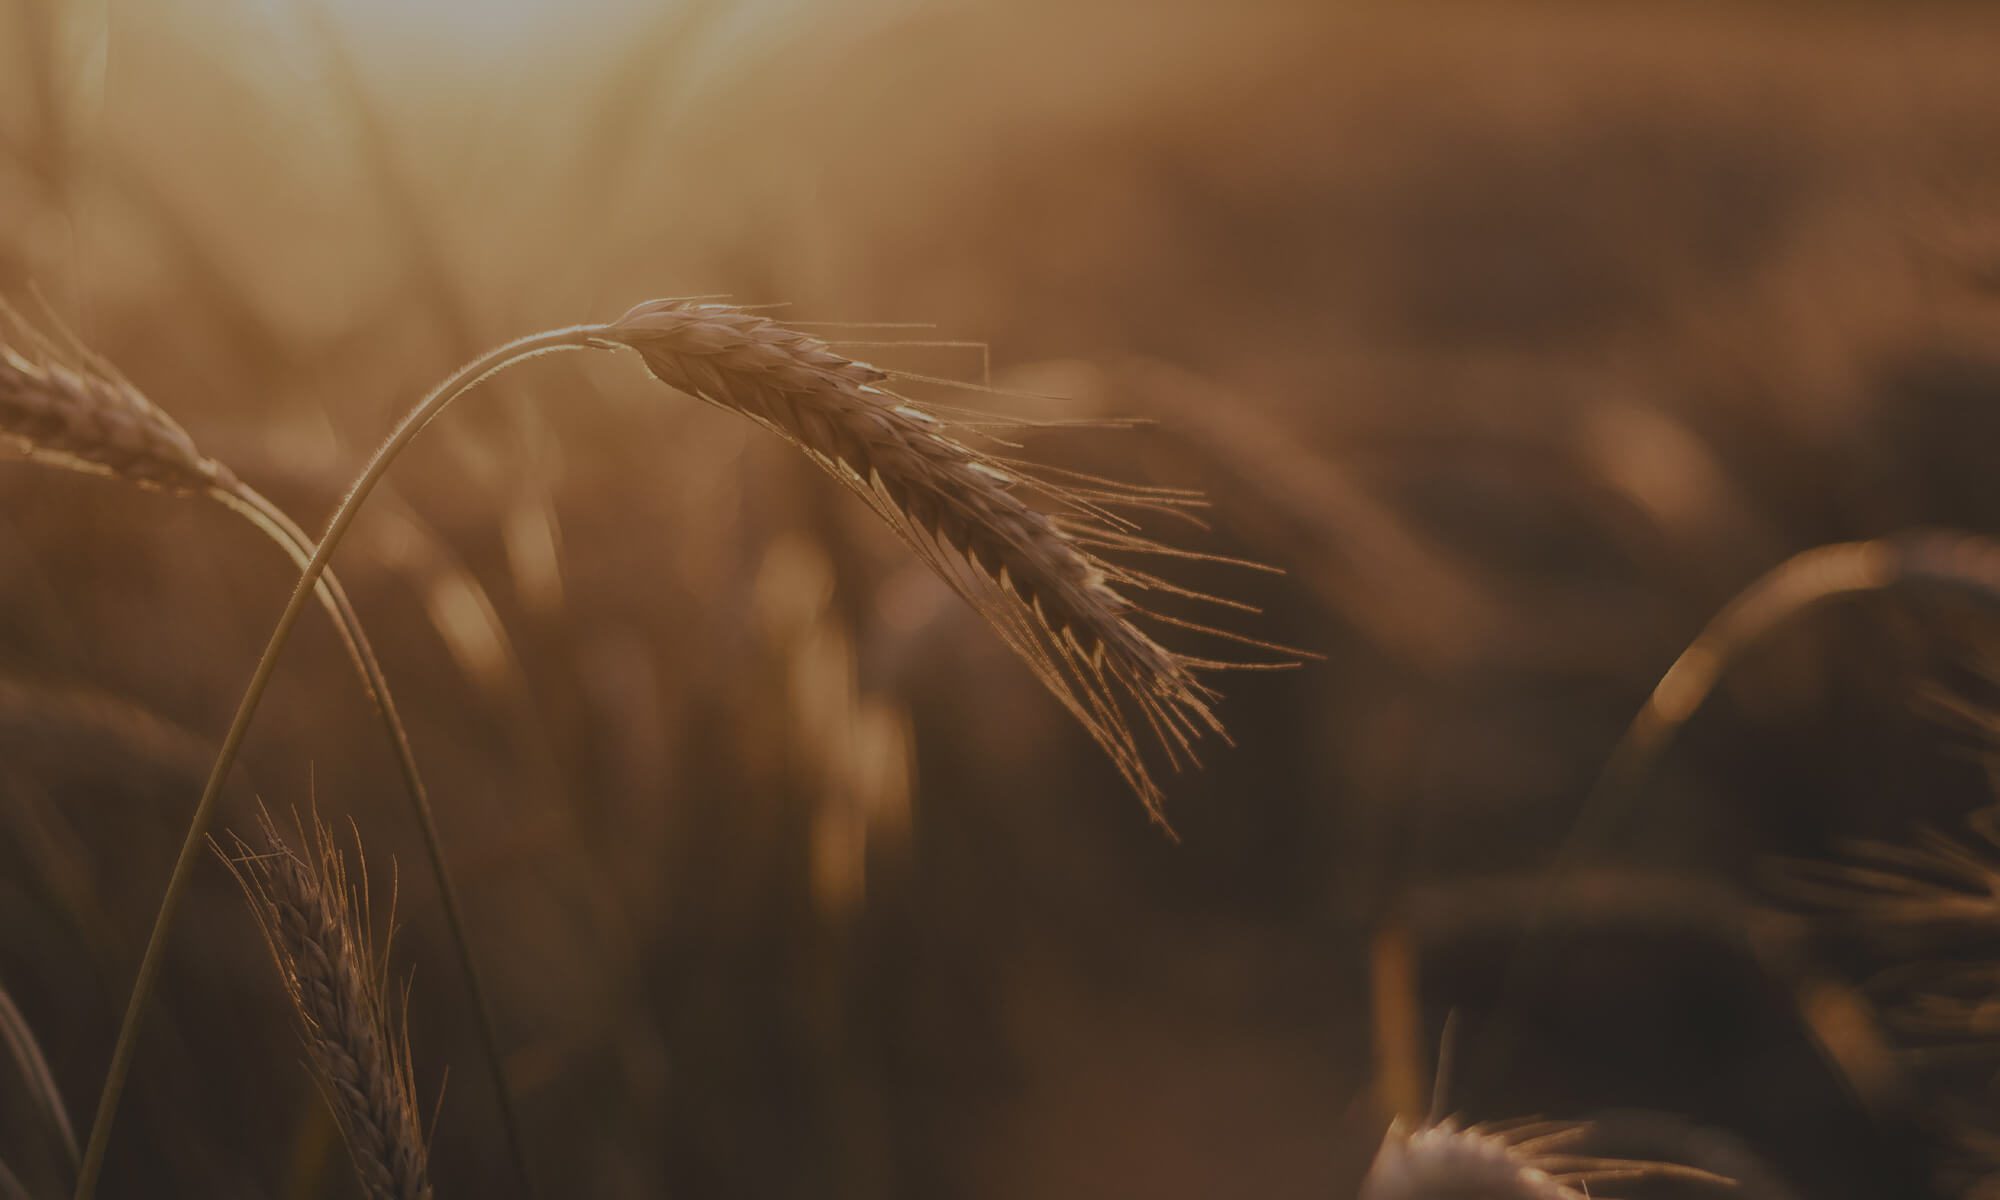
x: 1506, y: 1161
x: 64, y: 405
x: 315, y: 922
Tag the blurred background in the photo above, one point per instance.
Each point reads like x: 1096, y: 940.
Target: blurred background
x: 1521, y: 336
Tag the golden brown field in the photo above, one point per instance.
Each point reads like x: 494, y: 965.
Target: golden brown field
x: 1614, y: 390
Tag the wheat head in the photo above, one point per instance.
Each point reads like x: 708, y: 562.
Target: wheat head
x: 1509, y: 1161
x: 1036, y: 571
x: 63, y: 405
x: 315, y: 922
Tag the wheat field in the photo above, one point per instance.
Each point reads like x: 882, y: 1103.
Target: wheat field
x: 728, y: 598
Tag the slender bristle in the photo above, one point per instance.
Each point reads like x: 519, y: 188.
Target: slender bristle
x: 1033, y: 574
x: 316, y: 925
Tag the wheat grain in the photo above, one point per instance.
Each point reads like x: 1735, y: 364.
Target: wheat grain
x: 1037, y: 573
x: 315, y: 922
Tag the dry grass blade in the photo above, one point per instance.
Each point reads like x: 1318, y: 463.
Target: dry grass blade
x: 315, y: 921
x: 34, y: 1067
x: 1508, y: 1161
x: 62, y: 404
x: 1038, y: 572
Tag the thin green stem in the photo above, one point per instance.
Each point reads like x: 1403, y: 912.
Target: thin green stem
x: 247, y: 501
x: 574, y: 338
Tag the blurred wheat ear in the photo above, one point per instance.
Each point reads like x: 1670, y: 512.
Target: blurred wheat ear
x: 1526, y: 1160
x: 64, y: 405
x: 315, y: 920
x: 1038, y: 575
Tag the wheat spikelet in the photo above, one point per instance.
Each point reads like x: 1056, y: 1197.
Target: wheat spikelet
x: 1508, y: 1161
x: 65, y: 406
x: 316, y: 925
x: 1036, y: 573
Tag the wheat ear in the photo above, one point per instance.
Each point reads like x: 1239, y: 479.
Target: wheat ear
x: 315, y: 921
x: 241, y: 498
x: 1037, y: 572
x: 63, y: 405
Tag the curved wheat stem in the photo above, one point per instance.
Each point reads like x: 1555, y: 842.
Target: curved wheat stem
x: 315, y: 923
